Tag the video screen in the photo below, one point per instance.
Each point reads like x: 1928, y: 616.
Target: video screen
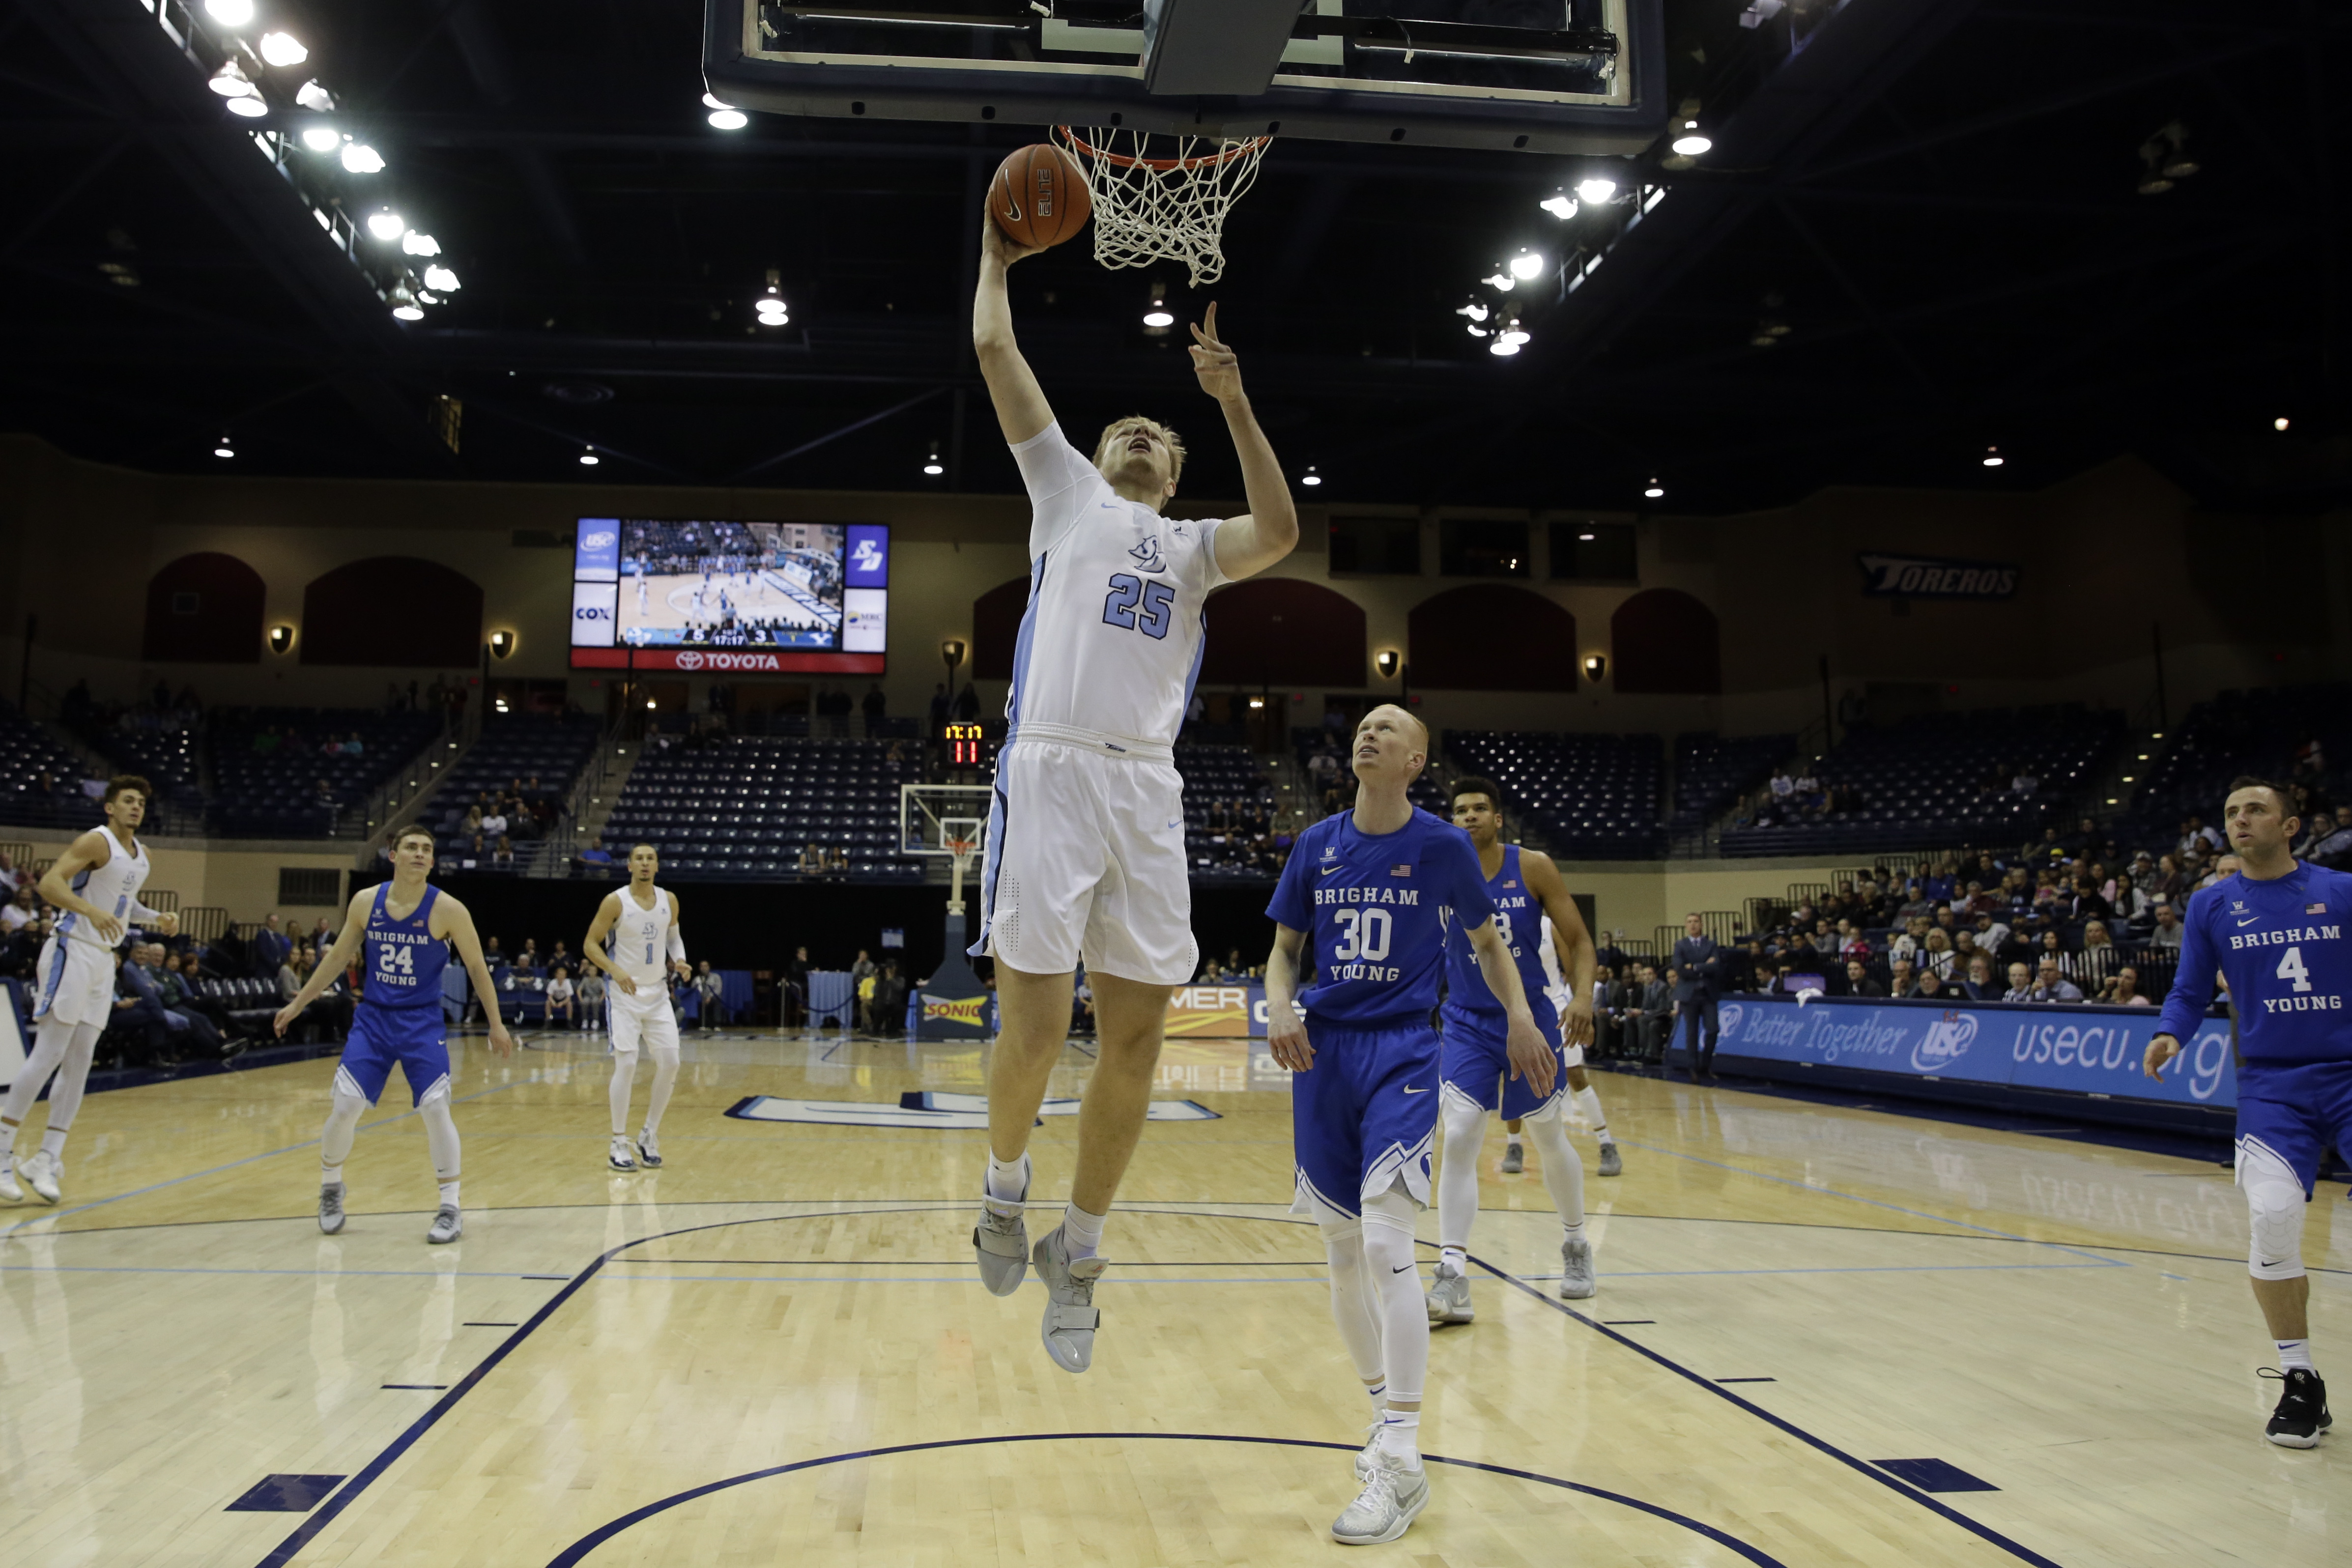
x: 710, y: 594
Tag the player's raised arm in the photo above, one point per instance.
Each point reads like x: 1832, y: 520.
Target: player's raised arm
x: 1022, y: 409
x: 1531, y: 1056
x: 85, y: 853
x: 1286, y: 1031
x: 458, y: 930
x: 1569, y: 940
x: 1248, y: 544
x: 333, y: 961
x: 600, y: 933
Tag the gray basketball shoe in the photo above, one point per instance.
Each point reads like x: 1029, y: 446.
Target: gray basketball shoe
x: 1071, y: 1318
x: 446, y: 1226
x: 1514, y: 1158
x: 1576, y: 1280
x: 649, y: 1149
x: 1393, y: 1498
x: 331, y: 1207
x: 1611, y: 1161
x: 621, y: 1157
x: 1449, y: 1298
x: 10, y: 1190
x: 1000, y: 1243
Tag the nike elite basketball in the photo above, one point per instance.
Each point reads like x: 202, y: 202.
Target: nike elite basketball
x: 1039, y: 196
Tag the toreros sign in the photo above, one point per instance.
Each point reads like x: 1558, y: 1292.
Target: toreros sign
x: 1923, y: 576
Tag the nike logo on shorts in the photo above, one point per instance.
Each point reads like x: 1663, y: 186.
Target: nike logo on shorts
x: 1411, y: 1091
x: 1399, y: 1268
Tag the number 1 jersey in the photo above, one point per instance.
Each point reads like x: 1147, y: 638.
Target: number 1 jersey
x: 1110, y: 645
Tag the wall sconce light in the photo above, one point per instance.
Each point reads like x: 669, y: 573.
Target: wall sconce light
x: 952, y: 649
x: 280, y: 639
x: 1257, y: 702
x: 1595, y: 666
x: 502, y: 643
x: 1386, y: 661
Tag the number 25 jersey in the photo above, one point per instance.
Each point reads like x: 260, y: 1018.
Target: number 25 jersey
x: 1110, y: 645
x: 2280, y: 945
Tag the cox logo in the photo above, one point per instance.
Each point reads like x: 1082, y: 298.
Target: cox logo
x: 592, y: 612
x: 596, y: 541
x: 690, y: 660
x: 1945, y: 1041
x: 1727, y: 1015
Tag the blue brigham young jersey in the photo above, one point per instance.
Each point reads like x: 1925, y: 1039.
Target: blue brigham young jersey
x: 1373, y: 906
x: 1518, y: 921
x: 403, y: 958
x: 2280, y: 945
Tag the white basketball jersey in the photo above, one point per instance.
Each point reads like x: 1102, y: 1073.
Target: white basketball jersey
x: 1555, y: 986
x: 1110, y: 645
x: 639, y: 941
x: 113, y: 887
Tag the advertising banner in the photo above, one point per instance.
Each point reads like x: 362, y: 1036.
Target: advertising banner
x: 2076, y: 1048
x: 1217, y: 1012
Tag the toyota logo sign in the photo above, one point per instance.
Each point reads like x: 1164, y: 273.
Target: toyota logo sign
x: 690, y: 660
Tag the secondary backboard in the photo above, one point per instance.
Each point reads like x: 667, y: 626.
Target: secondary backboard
x: 932, y: 818
x: 1533, y: 75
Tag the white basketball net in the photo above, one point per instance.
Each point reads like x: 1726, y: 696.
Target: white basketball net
x: 1168, y: 208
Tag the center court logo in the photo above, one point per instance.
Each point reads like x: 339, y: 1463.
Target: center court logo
x: 1945, y: 1041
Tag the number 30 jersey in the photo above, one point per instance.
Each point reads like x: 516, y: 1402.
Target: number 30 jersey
x: 2280, y: 945
x: 404, y: 959
x: 1110, y: 645
x: 1374, y: 907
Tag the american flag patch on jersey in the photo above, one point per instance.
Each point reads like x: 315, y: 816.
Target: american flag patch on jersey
x: 1401, y: 871
x: 1513, y: 883
x: 2314, y: 909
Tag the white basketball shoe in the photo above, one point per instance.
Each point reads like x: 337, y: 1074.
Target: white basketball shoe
x: 43, y: 1173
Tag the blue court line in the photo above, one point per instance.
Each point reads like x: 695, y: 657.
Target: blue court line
x: 580, y: 1549
x: 1860, y: 1269
x: 1872, y: 1202
x: 199, y: 1176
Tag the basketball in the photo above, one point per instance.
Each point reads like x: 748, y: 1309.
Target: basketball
x: 1039, y: 196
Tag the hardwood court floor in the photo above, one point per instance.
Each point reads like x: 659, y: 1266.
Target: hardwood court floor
x: 775, y: 1350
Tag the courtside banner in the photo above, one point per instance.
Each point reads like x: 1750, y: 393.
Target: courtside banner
x: 1218, y: 1012
x: 2076, y: 1048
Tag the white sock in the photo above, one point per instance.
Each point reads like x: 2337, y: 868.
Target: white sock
x: 1572, y: 1232
x: 448, y: 1194
x: 331, y: 1176
x: 1378, y: 1393
x: 1453, y: 1260
x: 1513, y: 1140
x: 53, y: 1143
x: 1400, y: 1436
x: 1588, y: 1101
x: 1008, y: 1183
x: 2293, y: 1353
x: 1082, y: 1230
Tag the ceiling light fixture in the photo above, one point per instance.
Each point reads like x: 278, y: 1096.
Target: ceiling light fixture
x: 283, y: 49
x: 229, y: 12
x: 1310, y: 476
x: 588, y: 459
x: 385, y: 223
x: 252, y: 107
x: 1515, y: 334
x: 1653, y: 489
x: 404, y: 307
x: 1691, y: 143
x: 1501, y: 283
x: 360, y: 158
x: 222, y: 448
x: 931, y: 465
x: 313, y: 95
x: 322, y: 138
x: 416, y: 242
x: 1597, y: 189
x: 1159, y: 319
x: 441, y: 279
x: 1992, y: 457
x: 230, y: 80
x: 729, y: 120
x: 1587, y: 537
x: 1527, y: 265
x: 1476, y: 310
x: 2278, y: 423
x: 1503, y: 346
x: 1559, y: 204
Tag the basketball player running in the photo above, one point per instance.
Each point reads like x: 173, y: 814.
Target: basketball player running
x: 637, y: 939
x: 408, y: 928
x: 1530, y: 904
x: 2276, y: 930
x: 1376, y: 887
x: 95, y: 882
x: 1086, y: 840
x: 1580, y: 1079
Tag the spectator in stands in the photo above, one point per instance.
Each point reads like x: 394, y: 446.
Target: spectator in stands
x: 322, y: 1014
x: 1654, y: 1013
x: 860, y: 969
x: 596, y: 857
x: 2333, y: 850
x: 20, y: 910
x: 2227, y: 865
x: 472, y: 826
x: 473, y: 854
x: 711, y: 989
x: 2122, y: 991
x: 839, y: 864
x: 1935, y: 956
x: 812, y: 862
x: 875, y: 706
x: 1964, y: 947
x: 559, y: 1000
x: 1784, y: 787
x: 529, y: 958
x: 2024, y: 782
x: 492, y: 957
x: 1903, y: 980
x: 2196, y: 838
x: 891, y: 1000
x: 2090, y: 966
x: 270, y: 950
x: 1858, y: 980
x: 494, y: 821
x: 2126, y: 903
x: 504, y: 859
x: 1933, y: 989
x: 2168, y: 926
x: 2051, y: 986
x: 592, y: 996
x: 2021, y: 984
x: 1980, y: 987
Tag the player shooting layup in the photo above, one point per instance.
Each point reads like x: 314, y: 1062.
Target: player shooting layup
x: 2276, y: 930
x: 1086, y: 835
x: 1377, y: 886
x: 408, y: 927
x: 95, y: 882
x: 637, y: 939
x: 1531, y: 904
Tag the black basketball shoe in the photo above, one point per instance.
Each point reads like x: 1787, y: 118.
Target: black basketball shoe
x: 2302, y: 1414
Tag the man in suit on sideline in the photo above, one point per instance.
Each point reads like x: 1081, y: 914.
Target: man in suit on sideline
x: 1657, y: 1006
x: 1701, y: 968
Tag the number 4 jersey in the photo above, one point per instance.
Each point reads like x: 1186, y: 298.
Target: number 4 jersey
x: 1374, y: 908
x: 1110, y: 645
x: 2281, y: 946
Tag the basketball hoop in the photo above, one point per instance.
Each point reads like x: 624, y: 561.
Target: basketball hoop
x: 1151, y: 209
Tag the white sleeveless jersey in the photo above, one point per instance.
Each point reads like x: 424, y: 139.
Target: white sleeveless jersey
x: 638, y: 944
x: 113, y: 887
x: 1555, y: 985
x: 1110, y: 645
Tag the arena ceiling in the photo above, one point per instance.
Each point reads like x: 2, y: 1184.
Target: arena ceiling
x: 1919, y: 237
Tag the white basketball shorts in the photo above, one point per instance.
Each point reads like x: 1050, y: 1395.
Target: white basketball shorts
x: 74, y: 983
x: 645, y: 1018
x: 1573, y: 1056
x: 1085, y: 860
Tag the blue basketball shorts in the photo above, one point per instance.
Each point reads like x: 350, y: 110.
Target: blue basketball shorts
x: 1364, y: 1115
x: 2296, y: 1110
x: 1478, y: 1064
x: 382, y: 1036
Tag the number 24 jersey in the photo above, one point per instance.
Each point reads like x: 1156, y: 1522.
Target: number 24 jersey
x: 1374, y: 907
